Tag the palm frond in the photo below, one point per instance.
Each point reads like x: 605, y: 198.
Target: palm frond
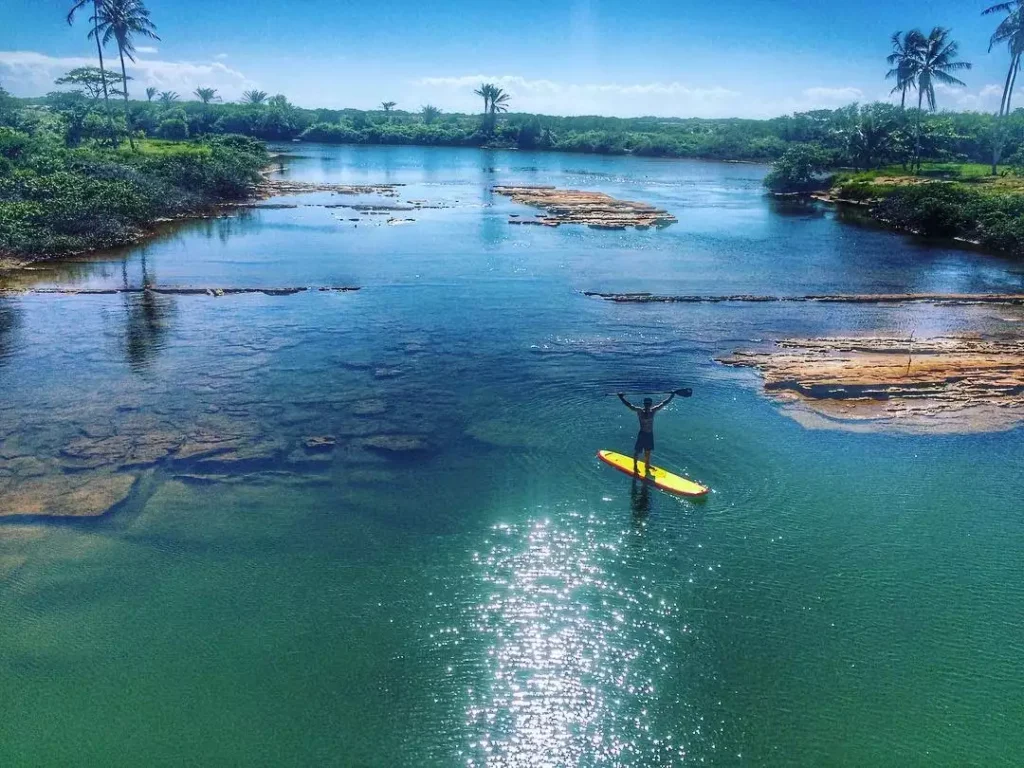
x: 947, y: 79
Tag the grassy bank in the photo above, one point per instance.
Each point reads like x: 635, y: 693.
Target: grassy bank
x: 944, y: 200
x: 56, y: 200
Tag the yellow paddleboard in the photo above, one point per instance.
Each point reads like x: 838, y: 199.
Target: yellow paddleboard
x: 658, y: 476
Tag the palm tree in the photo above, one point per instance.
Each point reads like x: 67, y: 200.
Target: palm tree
x: 96, y: 6
x: 485, y: 90
x: 167, y: 97
x: 904, y: 60
x: 254, y: 97
x: 1011, y: 32
x: 206, y: 95
x: 120, y: 20
x: 279, y: 101
x: 430, y: 113
x: 387, y: 106
x: 936, y: 59
x: 150, y: 93
x: 499, y: 101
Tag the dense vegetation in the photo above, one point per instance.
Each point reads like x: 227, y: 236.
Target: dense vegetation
x: 57, y: 198
x: 944, y: 200
x: 857, y: 136
x: 67, y: 182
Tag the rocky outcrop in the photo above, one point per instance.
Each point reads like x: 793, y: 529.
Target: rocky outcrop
x: 944, y: 299
x: 176, y: 291
x: 394, y: 444
x: 573, y: 206
x: 62, y: 495
x: 948, y: 384
x: 320, y: 443
x: 275, y: 187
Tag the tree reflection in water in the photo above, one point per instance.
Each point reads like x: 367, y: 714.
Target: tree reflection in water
x: 147, y: 318
x: 10, y: 320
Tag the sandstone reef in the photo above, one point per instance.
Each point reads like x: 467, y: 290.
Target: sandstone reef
x: 941, y: 384
x: 573, y: 206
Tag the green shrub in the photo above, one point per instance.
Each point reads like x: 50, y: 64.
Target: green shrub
x: 173, y: 128
x: 800, y: 169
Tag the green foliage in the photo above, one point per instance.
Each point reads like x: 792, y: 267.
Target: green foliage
x: 206, y: 95
x: 173, y: 128
x: 86, y: 79
x: 55, y: 200
x: 254, y: 97
x: 7, y: 108
x: 943, y: 209
x: 429, y: 113
x: 800, y: 169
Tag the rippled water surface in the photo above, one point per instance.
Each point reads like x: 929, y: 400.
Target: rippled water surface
x: 499, y: 597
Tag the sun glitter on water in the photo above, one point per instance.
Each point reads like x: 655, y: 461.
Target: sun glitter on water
x: 575, y: 643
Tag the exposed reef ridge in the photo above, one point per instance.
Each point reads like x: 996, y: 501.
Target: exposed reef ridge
x: 573, y: 206
x: 171, y: 291
x: 275, y: 187
x: 941, y: 384
x: 836, y: 298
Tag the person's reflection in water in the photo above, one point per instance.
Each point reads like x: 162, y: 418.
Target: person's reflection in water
x: 640, y: 499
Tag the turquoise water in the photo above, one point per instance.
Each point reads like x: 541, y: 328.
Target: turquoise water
x: 503, y: 598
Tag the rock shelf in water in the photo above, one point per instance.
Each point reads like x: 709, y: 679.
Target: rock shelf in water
x: 836, y: 298
x: 287, y: 291
x: 275, y: 187
x: 942, y: 384
x: 573, y: 206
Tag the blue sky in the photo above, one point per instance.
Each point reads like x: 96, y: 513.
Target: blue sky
x: 756, y: 58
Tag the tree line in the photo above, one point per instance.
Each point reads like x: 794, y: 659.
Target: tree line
x: 857, y: 136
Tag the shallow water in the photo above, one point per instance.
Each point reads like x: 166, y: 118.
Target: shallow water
x: 503, y: 599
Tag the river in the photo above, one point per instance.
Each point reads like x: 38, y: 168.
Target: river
x: 497, y: 596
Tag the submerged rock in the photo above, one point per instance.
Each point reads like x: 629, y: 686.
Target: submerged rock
x: 60, y: 495
x: 320, y: 443
x: 130, y: 451
x: 369, y: 408
x: 395, y: 444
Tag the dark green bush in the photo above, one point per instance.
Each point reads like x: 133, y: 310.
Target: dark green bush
x: 173, y: 128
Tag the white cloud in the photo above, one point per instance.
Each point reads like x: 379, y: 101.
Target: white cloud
x: 552, y: 97
x: 834, y: 96
x: 984, y: 99
x: 146, y: 49
x: 220, y: 56
x: 30, y: 73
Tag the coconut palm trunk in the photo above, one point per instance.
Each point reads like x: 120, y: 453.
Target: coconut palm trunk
x: 1004, y: 109
x: 917, y: 131
x: 1013, y: 84
x: 124, y: 85
x: 103, y: 72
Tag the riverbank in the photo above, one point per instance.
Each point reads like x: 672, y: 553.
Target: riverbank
x: 58, y: 202
x: 959, y: 202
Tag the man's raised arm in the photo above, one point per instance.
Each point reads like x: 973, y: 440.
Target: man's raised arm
x: 664, y: 402
x: 626, y: 402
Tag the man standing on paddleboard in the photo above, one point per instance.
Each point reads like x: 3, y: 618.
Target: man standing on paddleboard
x: 645, y: 437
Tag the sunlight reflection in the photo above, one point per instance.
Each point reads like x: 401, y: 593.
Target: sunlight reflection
x: 576, y: 639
